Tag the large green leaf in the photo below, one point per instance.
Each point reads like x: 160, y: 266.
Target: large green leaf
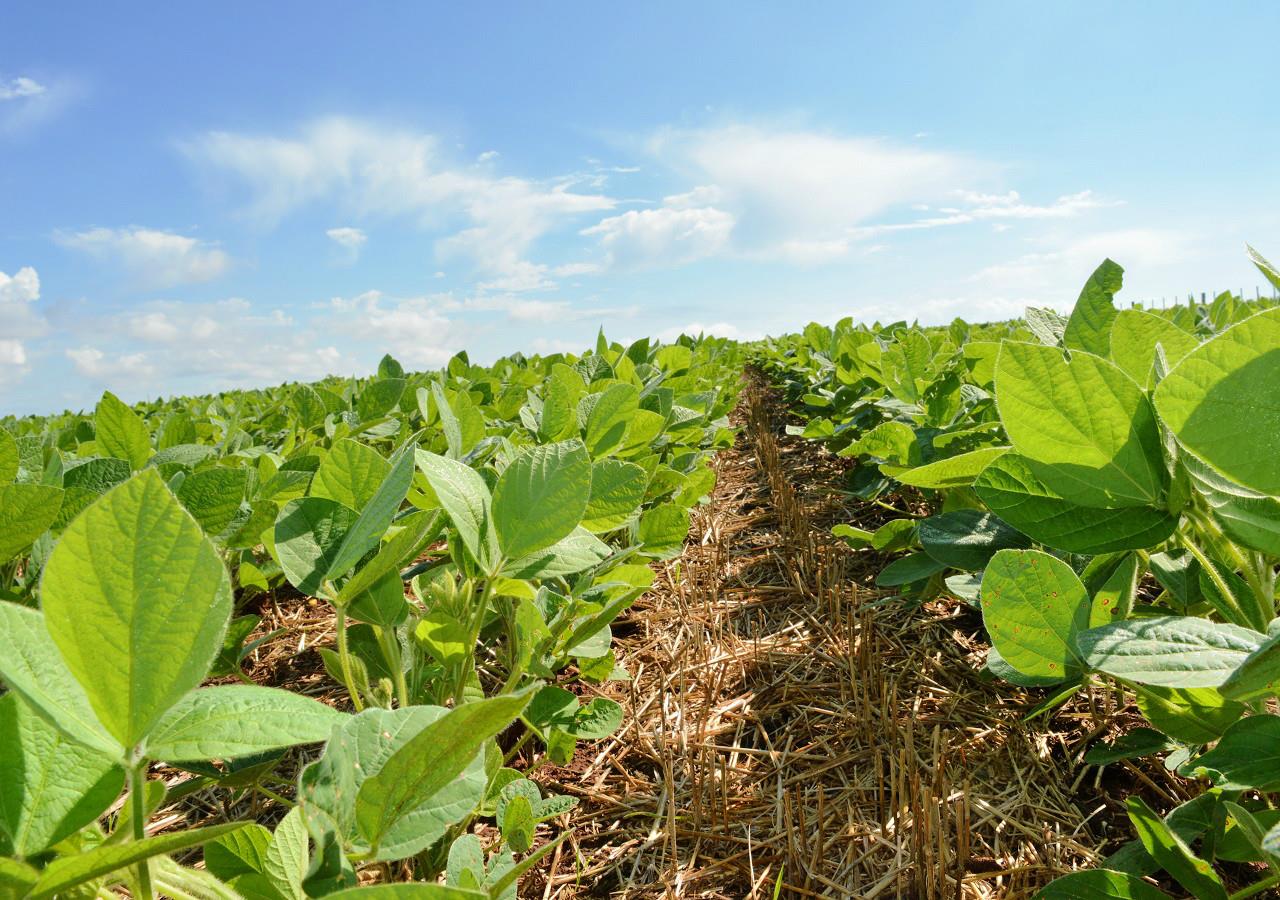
x: 137, y: 600
x: 1259, y: 675
x: 1013, y: 489
x: 580, y: 550
x: 540, y: 497
x: 377, y: 514
x: 239, y: 720
x: 66, y: 872
x: 466, y: 499
x: 952, y: 472
x: 1173, y: 854
x: 1088, y: 424
x: 1247, y: 757
x: 1035, y: 608
x: 663, y: 529
x: 26, y: 510
x: 308, y: 534
x: 51, y: 787
x: 350, y: 473
x: 429, y: 761
x: 606, y: 427
x: 1100, y: 884
x: 617, y: 490
x: 1173, y: 651
x: 121, y: 432
x: 1134, y: 337
x: 1220, y: 402
x: 9, y: 457
x: 32, y: 667
x: 213, y: 496
x: 357, y: 751
x: 1089, y: 327
x: 1247, y: 517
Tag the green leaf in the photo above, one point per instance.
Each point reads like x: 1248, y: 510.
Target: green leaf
x: 1173, y: 854
x: 32, y: 667
x: 968, y: 538
x: 1247, y: 757
x: 1172, y: 651
x: 1013, y: 489
x: 617, y: 491
x: 308, y: 534
x: 239, y: 720
x: 517, y: 819
x: 1220, y: 402
x: 1247, y: 517
x: 350, y: 473
x: 609, y: 419
x: 376, y: 516
x: 1269, y: 271
x: 1035, y: 608
x: 1099, y: 884
x: 952, y: 472
x: 1089, y: 327
x: 383, y: 604
x: 430, y: 760
x: 120, y: 432
x: 541, y: 497
x: 67, y: 872
x: 26, y: 510
x: 394, y: 553
x: 9, y: 457
x: 1191, y: 715
x: 465, y: 498
x: 213, y: 496
x: 52, y: 787
x: 1131, y: 745
x: 238, y: 853
x: 909, y: 569
x: 286, y: 859
x: 580, y: 550
x: 1258, y: 676
x: 1088, y: 424
x: 137, y: 600
x: 1134, y: 337
x: 663, y: 530
x: 379, y: 398
x: 358, y: 751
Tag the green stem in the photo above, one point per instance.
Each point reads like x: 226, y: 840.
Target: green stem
x: 1219, y: 582
x: 138, y: 812
x: 1256, y: 888
x: 391, y: 651
x: 344, y: 659
x: 267, y: 792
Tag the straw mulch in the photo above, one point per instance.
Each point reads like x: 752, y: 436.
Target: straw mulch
x: 793, y: 733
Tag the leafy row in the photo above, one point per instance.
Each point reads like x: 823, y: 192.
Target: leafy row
x: 475, y: 530
x: 1105, y: 487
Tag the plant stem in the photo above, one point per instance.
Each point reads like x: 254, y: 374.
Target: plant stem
x: 391, y: 651
x: 1219, y: 582
x: 1256, y: 888
x: 344, y: 659
x: 138, y: 813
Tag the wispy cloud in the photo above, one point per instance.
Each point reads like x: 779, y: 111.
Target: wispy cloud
x: 351, y: 240
x: 26, y: 104
x: 18, y: 88
x: 155, y: 259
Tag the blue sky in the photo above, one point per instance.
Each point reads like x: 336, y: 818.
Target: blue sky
x: 192, y: 200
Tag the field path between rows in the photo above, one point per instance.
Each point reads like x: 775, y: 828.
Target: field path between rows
x: 787, y: 732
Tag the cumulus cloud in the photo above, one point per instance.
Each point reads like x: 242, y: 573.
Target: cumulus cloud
x: 19, y: 322
x: 685, y: 228
x: 371, y: 170
x: 349, y: 239
x: 18, y: 88
x: 99, y: 366
x: 156, y: 259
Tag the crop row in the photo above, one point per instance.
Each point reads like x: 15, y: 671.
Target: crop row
x: 475, y: 531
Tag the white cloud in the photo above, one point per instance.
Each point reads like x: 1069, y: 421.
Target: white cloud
x: 371, y: 170
x: 685, y: 228
x: 984, y: 207
x: 12, y: 353
x: 157, y: 259
x: 99, y: 366
x: 17, y: 88
x: 349, y: 239
x: 415, y: 330
x: 21, y: 287
x: 19, y: 321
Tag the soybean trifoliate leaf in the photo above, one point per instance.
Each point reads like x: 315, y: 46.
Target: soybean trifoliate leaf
x: 382, y: 603
x: 1247, y: 757
x: 955, y: 471
x: 237, y: 720
x: 1173, y: 651
x: 1012, y: 488
x: 26, y: 510
x: 213, y: 496
x: 429, y: 761
x: 1172, y: 852
x: 1134, y: 338
x: 466, y: 499
x: 137, y: 600
x: 350, y: 473
x: 52, y: 787
x: 9, y: 457
x: 540, y: 497
x: 617, y: 490
x: 308, y: 534
x: 356, y: 752
x: 376, y: 516
x: 606, y: 426
x: 1035, y: 608
x: 580, y: 550
x: 1089, y: 327
x: 1100, y: 884
x: 967, y: 538
x: 909, y: 569
x: 1193, y: 715
x: 31, y: 666
x: 663, y: 529
x: 120, y: 431
x: 379, y: 398
x: 1220, y: 402
x: 1088, y: 424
